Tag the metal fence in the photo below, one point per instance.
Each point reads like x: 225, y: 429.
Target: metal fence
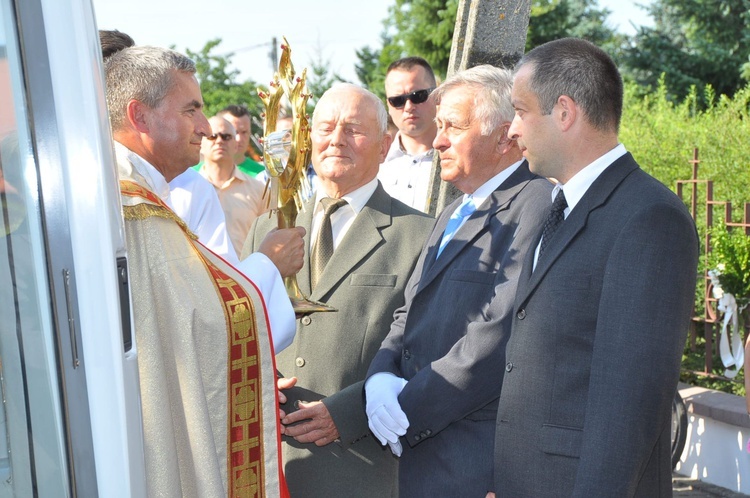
x: 707, y: 211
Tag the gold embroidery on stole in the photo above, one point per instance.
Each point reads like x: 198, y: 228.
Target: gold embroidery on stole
x: 245, y: 469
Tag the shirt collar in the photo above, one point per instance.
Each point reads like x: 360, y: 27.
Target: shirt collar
x: 486, y: 189
x: 237, y: 174
x: 156, y: 181
x: 578, y: 185
x: 397, y: 150
x: 356, y: 199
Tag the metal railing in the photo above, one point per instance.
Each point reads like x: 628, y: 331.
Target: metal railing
x: 705, y: 211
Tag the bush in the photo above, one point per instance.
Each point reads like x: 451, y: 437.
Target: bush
x: 661, y: 136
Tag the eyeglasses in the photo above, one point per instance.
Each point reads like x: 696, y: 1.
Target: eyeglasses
x: 224, y: 136
x: 416, y: 97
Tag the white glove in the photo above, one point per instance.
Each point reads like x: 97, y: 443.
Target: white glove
x: 384, y: 414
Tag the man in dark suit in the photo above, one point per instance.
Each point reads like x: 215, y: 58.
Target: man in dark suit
x: 375, y: 240
x: 434, y: 380
x: 603, y: 302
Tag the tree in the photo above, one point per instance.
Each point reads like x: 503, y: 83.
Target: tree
x: 319, y: 77
x: 218, y: 81
x: 413, y: 27
x: 694, y: 43
x: 220, y: 88
x: 425, y: 28
x: 554, y: 19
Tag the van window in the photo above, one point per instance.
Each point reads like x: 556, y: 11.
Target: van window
x: 32, y: 450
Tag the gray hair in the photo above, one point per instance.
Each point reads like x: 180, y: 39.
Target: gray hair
x: 381, y: 113
x: 582, y: 71
x: 145, y: 74
x: 492, y: 104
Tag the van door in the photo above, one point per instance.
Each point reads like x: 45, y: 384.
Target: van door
x: 69, y: 405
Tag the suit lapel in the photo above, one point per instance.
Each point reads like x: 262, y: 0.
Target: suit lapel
x: 363, y: 236
x: 304, y: 219
x: 477, y: 223
x: 595, y: 196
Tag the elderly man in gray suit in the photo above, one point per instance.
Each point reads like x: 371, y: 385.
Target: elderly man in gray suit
x: 373, y: 242
x: 435, y: 379
x: 604, y: 301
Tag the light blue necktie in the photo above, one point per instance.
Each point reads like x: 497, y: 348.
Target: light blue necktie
x: 463, y: 211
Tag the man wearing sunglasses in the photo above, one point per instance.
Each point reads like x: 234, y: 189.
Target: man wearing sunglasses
x: 405, y: 173
x: 241, y: 196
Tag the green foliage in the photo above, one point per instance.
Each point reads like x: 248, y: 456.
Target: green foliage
x: 220, y: 86
x: 218, y: 81
x: 696, y: 43
x: 425, y: 28
x: 694, y: 361
x: 554, y: 19
x: 661, y: 134
x: 730, y: 257
x: 319, y: 78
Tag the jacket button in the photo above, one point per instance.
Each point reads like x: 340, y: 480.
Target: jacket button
x: 300, y: 362
x: 428, y: 432
x: 407, y: 354
x: 508, y: 367
x: 417, y: 437
x: 306, y: 320
x: 521, y: 314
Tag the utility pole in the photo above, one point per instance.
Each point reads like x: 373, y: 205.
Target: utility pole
x: 274, y: 55
x: 487, y: 32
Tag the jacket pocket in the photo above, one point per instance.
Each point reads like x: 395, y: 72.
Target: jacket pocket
x: 373, y: 280
x: 477, y: 277
x: 560, y: 440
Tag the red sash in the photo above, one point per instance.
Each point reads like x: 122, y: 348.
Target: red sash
x: 245, y: 429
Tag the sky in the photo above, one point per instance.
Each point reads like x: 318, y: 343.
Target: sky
x: 328, y: 30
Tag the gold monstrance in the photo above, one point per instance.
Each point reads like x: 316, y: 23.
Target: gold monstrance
x: 287, y: 154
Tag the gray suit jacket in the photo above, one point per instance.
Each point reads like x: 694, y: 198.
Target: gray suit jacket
x: 594, y: 356
x: 449, y: 339
x: 364, y: 281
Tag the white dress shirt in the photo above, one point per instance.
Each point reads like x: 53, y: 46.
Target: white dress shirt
x: 577, y: 186
x: 194, y: 200
x: 483, y: 192
x: 343, y: 217
x: 406, y: 177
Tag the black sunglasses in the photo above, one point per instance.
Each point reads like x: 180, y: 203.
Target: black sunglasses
x: 224, y: 136
x: 416, y: 97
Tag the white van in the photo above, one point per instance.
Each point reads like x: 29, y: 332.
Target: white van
x: 70, y: 416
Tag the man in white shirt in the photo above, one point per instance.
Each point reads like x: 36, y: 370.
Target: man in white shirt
x: 405, y: 173
x: 241, y: 196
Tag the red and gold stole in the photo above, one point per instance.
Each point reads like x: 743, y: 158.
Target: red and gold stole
x: 251, y: 471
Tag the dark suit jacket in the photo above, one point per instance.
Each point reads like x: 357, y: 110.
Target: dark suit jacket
x: 594, y: 356
x: 449, y: 339
x: 364, y: 281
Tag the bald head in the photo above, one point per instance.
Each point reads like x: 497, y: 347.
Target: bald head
x: 220, y: 146
x: 349, y: 139
x: 344, y: 90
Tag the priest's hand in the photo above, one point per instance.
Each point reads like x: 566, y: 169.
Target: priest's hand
x: 284, y: 383
x: 316, y: 425
x: 286, y: 248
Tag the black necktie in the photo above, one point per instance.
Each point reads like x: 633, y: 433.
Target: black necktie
x: 323, y: 248
x: 555, y: 217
